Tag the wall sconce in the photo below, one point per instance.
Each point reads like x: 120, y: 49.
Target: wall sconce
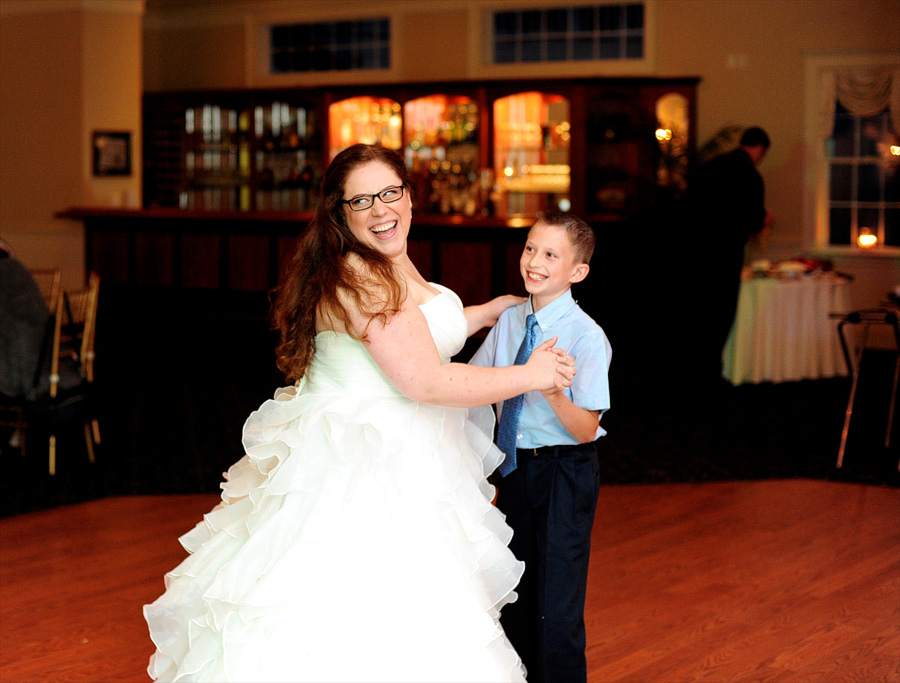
x: 866, y: 238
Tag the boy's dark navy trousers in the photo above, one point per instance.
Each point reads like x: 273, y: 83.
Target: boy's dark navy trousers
x: 549, y: 501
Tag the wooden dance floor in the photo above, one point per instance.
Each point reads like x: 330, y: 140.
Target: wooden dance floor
x: 786, y: 580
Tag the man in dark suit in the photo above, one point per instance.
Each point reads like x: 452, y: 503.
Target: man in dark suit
x: 727, y: 207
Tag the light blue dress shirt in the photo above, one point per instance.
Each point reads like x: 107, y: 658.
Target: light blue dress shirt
x: 580, y: 337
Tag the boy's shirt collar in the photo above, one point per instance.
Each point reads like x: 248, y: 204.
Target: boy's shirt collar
x: 552, y: 312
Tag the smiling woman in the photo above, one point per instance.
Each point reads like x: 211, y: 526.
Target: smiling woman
x: 383, y: 225
x: 364, y: 484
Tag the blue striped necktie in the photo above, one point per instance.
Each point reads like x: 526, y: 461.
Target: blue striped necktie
x: 512, y: 407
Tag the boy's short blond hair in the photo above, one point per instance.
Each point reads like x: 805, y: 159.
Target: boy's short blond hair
x: 580, y: 234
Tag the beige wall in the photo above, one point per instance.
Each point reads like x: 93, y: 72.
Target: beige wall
x: 40, y: 156
x: 67, y: 67
x: 195, y: 57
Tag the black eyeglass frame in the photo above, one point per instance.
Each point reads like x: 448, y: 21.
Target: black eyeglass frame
x: 371, y: 198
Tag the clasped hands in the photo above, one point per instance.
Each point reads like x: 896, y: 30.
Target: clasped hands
x: 556, y: 367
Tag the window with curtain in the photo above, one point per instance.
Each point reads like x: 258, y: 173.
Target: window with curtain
x: 858, y: 134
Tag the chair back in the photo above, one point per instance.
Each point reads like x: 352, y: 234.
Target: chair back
x: 74, y: 331
x: 47, y: 280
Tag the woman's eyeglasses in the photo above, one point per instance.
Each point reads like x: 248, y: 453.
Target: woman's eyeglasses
x: 361, y: 202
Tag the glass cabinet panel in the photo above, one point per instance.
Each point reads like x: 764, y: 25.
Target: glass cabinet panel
x: 287, y: 163
x: 216, y: 159
x: 621, y: 154
x: 531, y: 154
x: 442, y: 153
x: 370, y: 120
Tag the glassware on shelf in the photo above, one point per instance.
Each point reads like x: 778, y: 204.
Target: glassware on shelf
x: 255, y: 149
x: 216, y: 161
x: 370, y: 120
x: 287, y: 157
x: 531, y: 154
x: 442, y: 153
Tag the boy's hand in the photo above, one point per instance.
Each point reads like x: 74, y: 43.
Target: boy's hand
x: 549, y: 393
x: 560, y: 365
x: 566, y: 370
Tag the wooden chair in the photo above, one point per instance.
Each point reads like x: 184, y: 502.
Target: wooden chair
x: 48, y: 280
x: 70, y: 350
x: 79, y: 326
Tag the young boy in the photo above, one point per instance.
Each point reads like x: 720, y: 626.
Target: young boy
x: 550, y: 481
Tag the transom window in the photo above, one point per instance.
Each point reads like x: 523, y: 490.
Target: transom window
x: 579, y: 33
x: 330, y: 46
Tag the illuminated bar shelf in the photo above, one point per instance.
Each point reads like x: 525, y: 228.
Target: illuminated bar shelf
x: 601, y: 148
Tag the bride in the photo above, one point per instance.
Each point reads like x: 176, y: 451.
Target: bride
x: 356, y: 539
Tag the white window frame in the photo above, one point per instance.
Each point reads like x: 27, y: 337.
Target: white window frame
x: 257, y: 26
x: 481, y: 62
x: 816, y: 165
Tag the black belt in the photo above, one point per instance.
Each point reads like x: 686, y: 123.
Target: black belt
x: 554, y: 451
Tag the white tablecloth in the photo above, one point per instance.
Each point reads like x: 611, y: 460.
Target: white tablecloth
x: 782, y: 330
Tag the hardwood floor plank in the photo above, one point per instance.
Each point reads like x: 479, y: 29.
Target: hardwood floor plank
x: 731, y: 575
x: 74, y: 579
x: 781, y: 581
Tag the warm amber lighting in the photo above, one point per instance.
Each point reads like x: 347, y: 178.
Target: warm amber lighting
x: 546, y: 169
x: 663, y: 134
x: 508, y: 171
x: 895, y: 150
x: 363, y: 119
x: 866, y: 238
x: 519, y: 222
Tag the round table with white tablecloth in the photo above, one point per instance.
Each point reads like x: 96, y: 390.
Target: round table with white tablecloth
x: 782, y: 330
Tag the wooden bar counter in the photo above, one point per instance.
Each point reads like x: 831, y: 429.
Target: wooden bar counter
x: 241, y: 253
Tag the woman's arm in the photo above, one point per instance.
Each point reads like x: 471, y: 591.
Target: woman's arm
x: 487, y: 314
x: 404, y: 349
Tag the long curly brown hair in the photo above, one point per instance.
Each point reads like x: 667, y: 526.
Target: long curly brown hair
x: 320, y: 278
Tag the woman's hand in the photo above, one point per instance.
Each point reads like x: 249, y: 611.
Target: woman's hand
x: 554, y: 368
x: 495, y: 307
x: 487, y: 314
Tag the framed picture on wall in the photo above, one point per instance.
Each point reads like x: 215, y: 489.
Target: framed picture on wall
x: 112, y: 153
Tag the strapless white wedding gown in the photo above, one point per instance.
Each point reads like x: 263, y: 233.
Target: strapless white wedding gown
x: 355, y: 540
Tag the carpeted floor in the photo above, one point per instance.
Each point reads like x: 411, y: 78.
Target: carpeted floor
x: 172, y: 401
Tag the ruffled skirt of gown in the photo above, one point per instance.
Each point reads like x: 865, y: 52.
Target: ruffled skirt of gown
x: 355, y: 541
